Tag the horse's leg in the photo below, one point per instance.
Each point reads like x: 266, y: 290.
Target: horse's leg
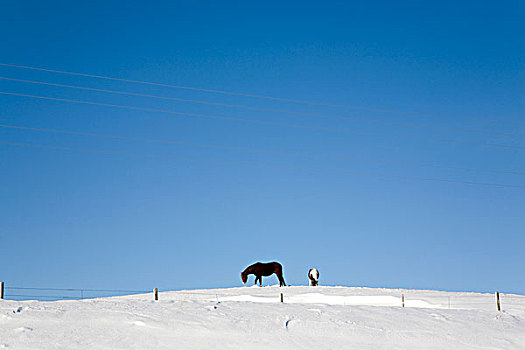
x: 281, y: 279
x: 256, y: 278
x: 260, y: 280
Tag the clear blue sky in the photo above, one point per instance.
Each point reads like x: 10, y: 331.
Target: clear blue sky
x: 85, y: 219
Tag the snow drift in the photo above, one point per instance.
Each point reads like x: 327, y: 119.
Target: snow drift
x: 253, y: 317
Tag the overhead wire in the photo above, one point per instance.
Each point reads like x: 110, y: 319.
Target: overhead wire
x: 263, y: 122
x: 258, y: 96
x: 265, y: 165
x: 256, y: 150
x: 308, y: 114
x: 233, y: 118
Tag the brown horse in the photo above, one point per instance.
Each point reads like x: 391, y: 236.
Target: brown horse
x: 263, y: 269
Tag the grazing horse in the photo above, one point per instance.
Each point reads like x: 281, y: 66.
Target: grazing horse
x: 263, y: 269
x: 313, y: 276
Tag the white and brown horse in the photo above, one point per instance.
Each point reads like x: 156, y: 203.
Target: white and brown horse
x: 313, y: 276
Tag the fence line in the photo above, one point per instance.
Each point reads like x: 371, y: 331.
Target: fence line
x: 44, y: 296
x: 4, y: 292
x: 82, y: 289
x: 452, y: 301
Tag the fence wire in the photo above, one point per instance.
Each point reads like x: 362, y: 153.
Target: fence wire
x: 82, y: 293
x: 486, y: 301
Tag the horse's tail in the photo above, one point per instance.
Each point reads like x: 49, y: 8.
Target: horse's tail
x: 278, y: 269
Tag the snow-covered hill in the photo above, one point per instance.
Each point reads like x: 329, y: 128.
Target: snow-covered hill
x: 253, y: 317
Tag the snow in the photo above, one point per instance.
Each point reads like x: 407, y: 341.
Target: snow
x: 254, y: 318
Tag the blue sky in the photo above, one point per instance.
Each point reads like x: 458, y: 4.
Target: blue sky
x: 439, y: 84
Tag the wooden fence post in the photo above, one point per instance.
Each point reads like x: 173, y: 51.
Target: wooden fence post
x: 2, y: 290
x: 282, y: 298
x: 403, y: 300
x: 156, y: 293
x: 497, y: 301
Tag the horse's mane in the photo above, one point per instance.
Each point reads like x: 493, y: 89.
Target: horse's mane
x: 248, y: 270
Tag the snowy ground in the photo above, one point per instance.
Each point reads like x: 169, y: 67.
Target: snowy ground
x: 254, y: 318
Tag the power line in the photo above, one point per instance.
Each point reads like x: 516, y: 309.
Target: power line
x: 265, y: 165
x: 263, y: 122
x: 316, y: 115
x: 254, y: 150
x: 296, y: 101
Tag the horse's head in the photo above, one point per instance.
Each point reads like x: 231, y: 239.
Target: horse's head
x: 244, y: 277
